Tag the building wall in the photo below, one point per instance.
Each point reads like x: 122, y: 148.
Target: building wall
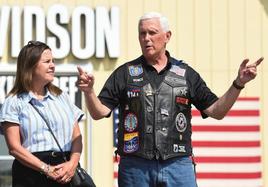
x: 213, y: 36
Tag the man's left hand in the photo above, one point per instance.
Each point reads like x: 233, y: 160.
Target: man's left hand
x: 247, y: 72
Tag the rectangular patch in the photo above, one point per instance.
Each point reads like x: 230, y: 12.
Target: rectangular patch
x: 129, y: 136
x: 177, y: 70
x: 135, y: 70
x: 182, y: 100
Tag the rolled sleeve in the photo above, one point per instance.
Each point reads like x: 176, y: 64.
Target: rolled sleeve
x: 9, y: 112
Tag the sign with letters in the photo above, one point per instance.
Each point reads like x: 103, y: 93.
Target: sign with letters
x: 83, y: 32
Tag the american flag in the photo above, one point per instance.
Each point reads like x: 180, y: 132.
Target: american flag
x: 227, y: 151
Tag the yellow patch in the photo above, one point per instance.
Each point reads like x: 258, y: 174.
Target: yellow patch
x: 130, y: 136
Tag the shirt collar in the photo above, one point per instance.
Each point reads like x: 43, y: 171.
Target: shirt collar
x: 28, y: 96
x: 168, y: 66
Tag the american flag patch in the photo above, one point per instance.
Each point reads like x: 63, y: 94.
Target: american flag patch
x: 177, y: 70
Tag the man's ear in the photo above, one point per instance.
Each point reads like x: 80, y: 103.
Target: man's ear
x: 168, y: 36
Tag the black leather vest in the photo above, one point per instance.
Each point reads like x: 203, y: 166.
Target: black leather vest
x: 156, y: 122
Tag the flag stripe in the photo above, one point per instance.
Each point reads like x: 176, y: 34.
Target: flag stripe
x: 226, y: 143
x: 222, y: 151
x: 211, y: 175
x: 234, y: 113
x: 221, y: 128
x: 222, y: 136
x: 228, y: 121
x: 227, y: 159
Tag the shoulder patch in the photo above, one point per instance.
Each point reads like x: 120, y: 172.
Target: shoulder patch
x: 135, y: 70
x: 177, y: 70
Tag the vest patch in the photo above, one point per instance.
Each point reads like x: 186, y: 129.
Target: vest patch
x: 177, y: 70
x: 148, y: 90
x: 182, y: 100
x: 183, y: 91
x: 135, y: 70
x: 164, y: 111
x: 179, y: 148
x: 131, y: 142
x: 133, y: 93
x: 149, y: 129
x: 181, y: 123
x: 131, y: 122
x: 138, y: 80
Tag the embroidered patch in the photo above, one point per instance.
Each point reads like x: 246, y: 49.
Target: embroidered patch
x: 135, y: 70
x: 135, y: 92
x: 183, y: 91
x: 129, y: 136
x: 175, y: 148
x: 149, y: 129
x: 182, y: 100
x: 148, y: 93
x: 148, y: 90
x: 177, y: 70
x: 131, y: 122
x: 164, y: 112
x: 181, y: 123
x: 138, y: 80
x: 131, y: 142
x: 126, y: 107
x: 179, y: 148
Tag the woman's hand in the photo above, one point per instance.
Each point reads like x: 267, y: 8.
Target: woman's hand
x: 65, y: 172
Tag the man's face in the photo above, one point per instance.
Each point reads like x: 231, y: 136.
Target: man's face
x: 152, y: 38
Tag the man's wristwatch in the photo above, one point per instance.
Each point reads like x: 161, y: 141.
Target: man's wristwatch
x: 237, y: 86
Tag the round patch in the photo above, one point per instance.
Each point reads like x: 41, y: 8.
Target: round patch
x: 130, y: 122
x: 181, y: 122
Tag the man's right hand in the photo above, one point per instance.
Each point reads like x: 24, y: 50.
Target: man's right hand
x: 85, y: 81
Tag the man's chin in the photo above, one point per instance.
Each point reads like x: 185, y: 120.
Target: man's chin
x: 148, y: 53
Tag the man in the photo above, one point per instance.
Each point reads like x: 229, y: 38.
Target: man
x: 154, y: 94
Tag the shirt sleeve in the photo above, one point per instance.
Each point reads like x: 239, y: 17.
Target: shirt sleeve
x: 202, y: 97
x: 112, y: 92
x: 9, y: 111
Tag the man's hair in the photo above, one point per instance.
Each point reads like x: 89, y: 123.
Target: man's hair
x: 163, y: 20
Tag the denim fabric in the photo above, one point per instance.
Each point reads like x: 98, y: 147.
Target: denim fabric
x: 139, y: 172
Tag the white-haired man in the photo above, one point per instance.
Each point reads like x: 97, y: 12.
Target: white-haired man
x: 154, y: 94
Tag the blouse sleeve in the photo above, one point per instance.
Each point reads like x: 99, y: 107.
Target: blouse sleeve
x: 9, y: 111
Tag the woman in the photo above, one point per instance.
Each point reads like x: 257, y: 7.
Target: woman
x: 38, y: 161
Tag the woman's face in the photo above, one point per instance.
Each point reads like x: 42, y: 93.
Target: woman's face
x: 45, y: 69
